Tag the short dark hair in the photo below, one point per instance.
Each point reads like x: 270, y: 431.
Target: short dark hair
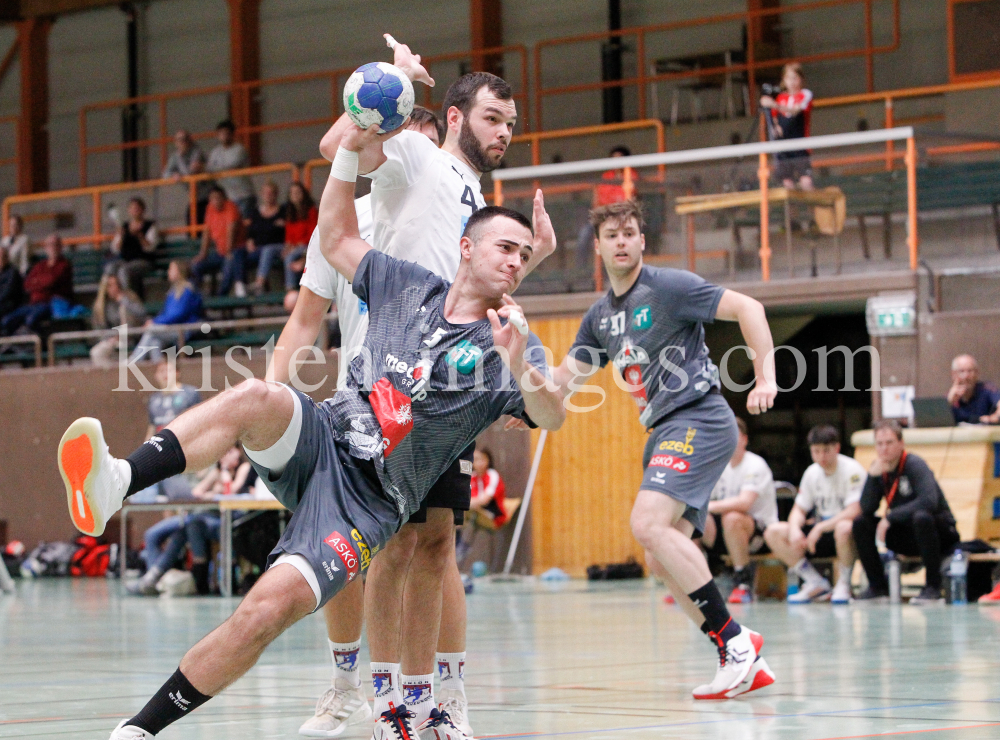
x: 485, y: 451
x: 742, y: 426
x: 422, y: 117
x: 463, y: 91
x: 138, y: 201
x: 621, y: 149
x: 619, y: 212
x: 823, y: 434
x: 217, y: 189
x: 474, y: 225
x: 226, y: 124
x: 891, y: 424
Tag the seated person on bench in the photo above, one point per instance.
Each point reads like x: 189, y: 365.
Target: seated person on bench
x: 972, y: 401
x: 743, y: 505
x: 831, y: 490
x: 918, y: 520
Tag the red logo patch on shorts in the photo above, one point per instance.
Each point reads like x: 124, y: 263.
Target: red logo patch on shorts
x: 394, y: 413
x: 342, y: 546
x: 676, y: 464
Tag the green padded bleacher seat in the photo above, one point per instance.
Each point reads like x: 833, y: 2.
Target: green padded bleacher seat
x: 87, y: 264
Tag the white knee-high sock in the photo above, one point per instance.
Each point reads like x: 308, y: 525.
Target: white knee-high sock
x: 385, y: 679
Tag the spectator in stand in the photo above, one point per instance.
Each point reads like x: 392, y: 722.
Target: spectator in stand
x: 265, y: 235
x: 17, y: 245
x: 301, y: 216
x: 165, y: 540
x: 972, y: 401
x: 743, y: 505
x: 611, y: 189
x: 229, y: 154
x: 11, y: 285
x: 918, y: 520
x: 182, y: 305
x: 52, y: 278
x: 790, y: 114
x: 830, y: 492
x: 133, y: 248
x: 115, y: 305
x: 188, y: 159
x: 223, y: 231
x: 487, y: 489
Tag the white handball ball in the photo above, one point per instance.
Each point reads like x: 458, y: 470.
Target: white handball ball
x: 378, y: 93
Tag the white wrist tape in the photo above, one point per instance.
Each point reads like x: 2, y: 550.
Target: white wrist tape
x: 345, y: 165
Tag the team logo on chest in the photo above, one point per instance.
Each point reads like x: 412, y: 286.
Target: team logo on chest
x: 394, y: 412
x: 629, y: 362
x: 642, y: 318
x: 464, y: 356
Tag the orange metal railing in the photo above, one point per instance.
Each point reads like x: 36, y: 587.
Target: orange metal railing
x: 750, y: 18
x: 96, y: 192
x: 242, y: 96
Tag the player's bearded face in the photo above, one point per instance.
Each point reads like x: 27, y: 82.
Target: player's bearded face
x: 486, y: 131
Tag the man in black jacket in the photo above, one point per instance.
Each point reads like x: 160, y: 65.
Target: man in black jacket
x: 918, y: 520
x: 11, y: 287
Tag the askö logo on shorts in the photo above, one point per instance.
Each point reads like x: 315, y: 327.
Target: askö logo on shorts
x: 669, y: 461
x: 342, y: 546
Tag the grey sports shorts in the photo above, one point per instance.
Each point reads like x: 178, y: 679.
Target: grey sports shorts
x: 687, y: 452
x: 341, y: 517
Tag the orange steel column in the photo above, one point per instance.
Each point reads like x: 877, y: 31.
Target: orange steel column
x: 244, y: 60
x: 912, y: 240
x: 890, y: 146
x: 32, y: 124
x: 764, y: 173
x: 486, y: 32
x: 498, y: 192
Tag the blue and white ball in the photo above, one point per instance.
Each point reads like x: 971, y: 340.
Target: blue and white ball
x: 378, y: 93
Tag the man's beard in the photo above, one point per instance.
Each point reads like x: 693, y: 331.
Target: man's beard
x: 473, y: 150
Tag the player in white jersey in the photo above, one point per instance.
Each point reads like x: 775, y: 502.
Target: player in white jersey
x: 822, y: 518
x: 743, y: 505
x: 429, y: 194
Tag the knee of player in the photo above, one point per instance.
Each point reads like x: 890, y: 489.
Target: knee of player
x: 644, y: 529
x: 436, y: 541
x: 776, y: 533
x: 260, y: 620
x: 735, y: 520
x: 399, y: 551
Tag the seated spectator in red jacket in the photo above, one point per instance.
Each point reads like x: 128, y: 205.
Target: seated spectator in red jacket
x: 301, y: 216
x: 48, y: 279
x: 224, y: 231
x: 487, y: 489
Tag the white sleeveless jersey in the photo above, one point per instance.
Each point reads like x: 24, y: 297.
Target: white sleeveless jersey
x: 421, y: 199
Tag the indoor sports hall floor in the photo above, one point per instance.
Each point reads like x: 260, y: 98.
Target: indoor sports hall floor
x: 567, y: 661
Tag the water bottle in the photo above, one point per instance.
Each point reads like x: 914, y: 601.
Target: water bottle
x: 892, y: 574
x: 793, y: 584
x: 958, y: 572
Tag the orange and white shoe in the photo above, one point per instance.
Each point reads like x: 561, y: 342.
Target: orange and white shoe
x: 992, y: 598
x: 96, y: 482
x: 742, y: 594
x: 669, y: 599
x: 736, y: 660
x: 760, y: 675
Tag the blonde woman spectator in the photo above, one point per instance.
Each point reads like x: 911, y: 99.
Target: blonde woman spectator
x: 17, y: 245
x: 113, y: 307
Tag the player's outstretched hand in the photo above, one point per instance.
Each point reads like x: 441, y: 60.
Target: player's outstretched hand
x: 407, y: 61
x: 545, y: 235
x: 761, y: 397
x: 357, y: 139
x: 513, y: 336
x: 515, y: 424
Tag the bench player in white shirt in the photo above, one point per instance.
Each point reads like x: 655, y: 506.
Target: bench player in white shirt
x: 743, y: 505
x: 831, y: 488
x: 421, y: 199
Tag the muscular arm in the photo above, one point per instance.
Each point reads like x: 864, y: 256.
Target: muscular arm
x: 569, y: 371
x: 370, y: 159
x: 750, y: 314
x: 740, y: 503
x: 300, y: 331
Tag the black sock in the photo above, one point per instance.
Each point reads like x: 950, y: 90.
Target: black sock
x: 717, y: 619
x: 175, y: 699
x: 158, y: 458
x: 199, y: 571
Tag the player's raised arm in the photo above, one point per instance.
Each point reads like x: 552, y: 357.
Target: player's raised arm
x: 735, y: 306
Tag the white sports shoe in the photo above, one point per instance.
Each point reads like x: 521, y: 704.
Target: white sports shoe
x: 395, y: 724
x: 736, y: 659
x: 96, y: 482
x: 457, y: 707
x: 760, y: 675
x: 341, y: 707
x: 841, y: 592
x: 440, y: 726
x: 123, y: 732
x: 811, y: 591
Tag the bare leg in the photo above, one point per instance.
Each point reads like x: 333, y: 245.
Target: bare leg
x: 843, y: 535
x: 776, y: 537
x: 710, y: 533
x: 254, y: 413
x: 383, y: 595
x: 345, y: 613
x: 278, y: 600
x: 737, y: 529
x: 451, y: 638
x: 422, y: 596
x: 654, y: 517
x: 681, y: 598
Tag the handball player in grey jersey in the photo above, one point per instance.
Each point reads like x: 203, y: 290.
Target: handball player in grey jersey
x: 650, y: 327
x: 441, y: 363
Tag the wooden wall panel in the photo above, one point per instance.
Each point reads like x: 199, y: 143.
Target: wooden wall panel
x: 589, y: 475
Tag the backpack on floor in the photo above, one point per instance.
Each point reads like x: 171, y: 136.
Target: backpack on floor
x: 91, y: 558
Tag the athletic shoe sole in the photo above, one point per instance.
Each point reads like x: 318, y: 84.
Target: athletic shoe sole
x: 760, y: 676
x: 757, y: 640
x: 80, y: 452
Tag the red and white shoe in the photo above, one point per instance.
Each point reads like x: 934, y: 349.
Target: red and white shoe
x: 741, y: 595
x: 669, y: 599
x: 992, y: 598
x: 395, y: 724
x: 736, y: 660
x: 760, y: 675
